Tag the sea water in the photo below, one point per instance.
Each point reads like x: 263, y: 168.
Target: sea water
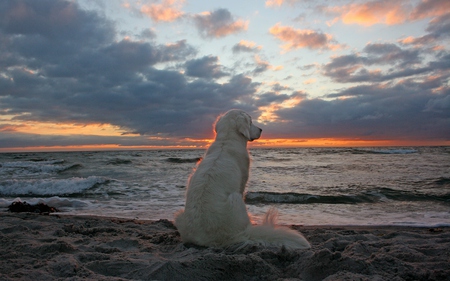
x: 308, y: 186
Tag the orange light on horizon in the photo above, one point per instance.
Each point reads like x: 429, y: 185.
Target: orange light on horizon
x: 204, y: 143
x: 330, y: 142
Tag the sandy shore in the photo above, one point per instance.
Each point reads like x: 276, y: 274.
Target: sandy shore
x: 42, y: 247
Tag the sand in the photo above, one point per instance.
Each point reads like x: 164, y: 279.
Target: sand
x: 52, y: 247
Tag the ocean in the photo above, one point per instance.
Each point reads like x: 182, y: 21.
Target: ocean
x: 308, y: 186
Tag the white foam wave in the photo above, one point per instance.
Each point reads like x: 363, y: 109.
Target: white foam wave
x: 48, y: 187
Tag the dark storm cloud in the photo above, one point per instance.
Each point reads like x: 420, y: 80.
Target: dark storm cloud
x: 63, y: 64
x: 59, y: 21
x: 352, y: 68
x: 438, y: 30
x: 269, y: 98
x: 409, y: 111
x: 384, y: 53
x: 205, y: 67
x: 30, y: 140
x: 440, y: 26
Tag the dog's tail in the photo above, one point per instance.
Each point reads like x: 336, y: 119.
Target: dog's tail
x: 269, y: 234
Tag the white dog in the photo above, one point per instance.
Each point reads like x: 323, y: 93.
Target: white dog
x: 215, y: 213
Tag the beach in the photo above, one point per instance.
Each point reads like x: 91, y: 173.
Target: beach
x: 51, y: 247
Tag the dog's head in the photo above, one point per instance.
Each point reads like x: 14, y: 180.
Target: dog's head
x: 237, y: 121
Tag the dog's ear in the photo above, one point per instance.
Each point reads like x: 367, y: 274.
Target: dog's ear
x: 243, y: 126
x: 218, y: 125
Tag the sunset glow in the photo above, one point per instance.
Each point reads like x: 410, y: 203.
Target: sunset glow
x: 122, y: 74
x: 67, y: 129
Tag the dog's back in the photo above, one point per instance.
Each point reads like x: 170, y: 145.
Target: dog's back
x: 213, y: 213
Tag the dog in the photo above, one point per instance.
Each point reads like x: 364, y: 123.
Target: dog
x: 215, y: 214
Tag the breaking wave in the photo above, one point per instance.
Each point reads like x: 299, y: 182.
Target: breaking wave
x: 384, y: 194
x: 49, y: 187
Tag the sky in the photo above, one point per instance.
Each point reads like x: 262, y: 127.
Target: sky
x: 127, y: 74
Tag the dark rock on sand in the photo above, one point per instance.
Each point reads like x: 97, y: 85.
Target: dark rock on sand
x: 19, y: 207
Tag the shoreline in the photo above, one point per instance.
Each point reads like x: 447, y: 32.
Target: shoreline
x: 43, y: 247
x: 305, y: 226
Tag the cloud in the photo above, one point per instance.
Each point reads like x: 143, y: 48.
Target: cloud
x: 205, y: 67
x: 59, y: 22
x: 262, y: 66
x: 430, y: 8
x: 403, y: 111
x: 369, y: 13
x: 272, y: 3
x: 25, y: 140
x: 147, y: 33
x: 438, y: 30
x: 167, y: 10
x: 279, y: 3
x: 386, y: 12
x: 302, y: 38
x: 310, y: 81
x: 218, y: 23
x: 353, y: 67
x: 268, y: 98
x: 246, y: 46
x: 90, y: 77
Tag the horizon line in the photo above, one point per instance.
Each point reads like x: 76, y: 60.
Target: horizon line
x: 266, y: 143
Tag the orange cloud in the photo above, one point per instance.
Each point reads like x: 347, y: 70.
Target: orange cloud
x: 231, y: 28
x: 419, y: 41
x: 273, y: 3
x: 268, y: 112
x: 387, y: 12
x: 278, y: 3
x: 167, y: 10
x: 49, y: 128
x: 302, y: 38
x: 370, y: 13
x: 408, y: 40
x: 246, y: 46
x: 310, y: 81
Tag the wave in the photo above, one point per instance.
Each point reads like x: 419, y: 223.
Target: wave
x: 394, y: 151
x: 49, y: 187
x: 70, y: 167
x: 442, y: 181
x: 183, y: 160
x: 36, y: 167
x: 384, y: 151
x: 327, y: 151
x: 119, y: 161
x: 384, y: 194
